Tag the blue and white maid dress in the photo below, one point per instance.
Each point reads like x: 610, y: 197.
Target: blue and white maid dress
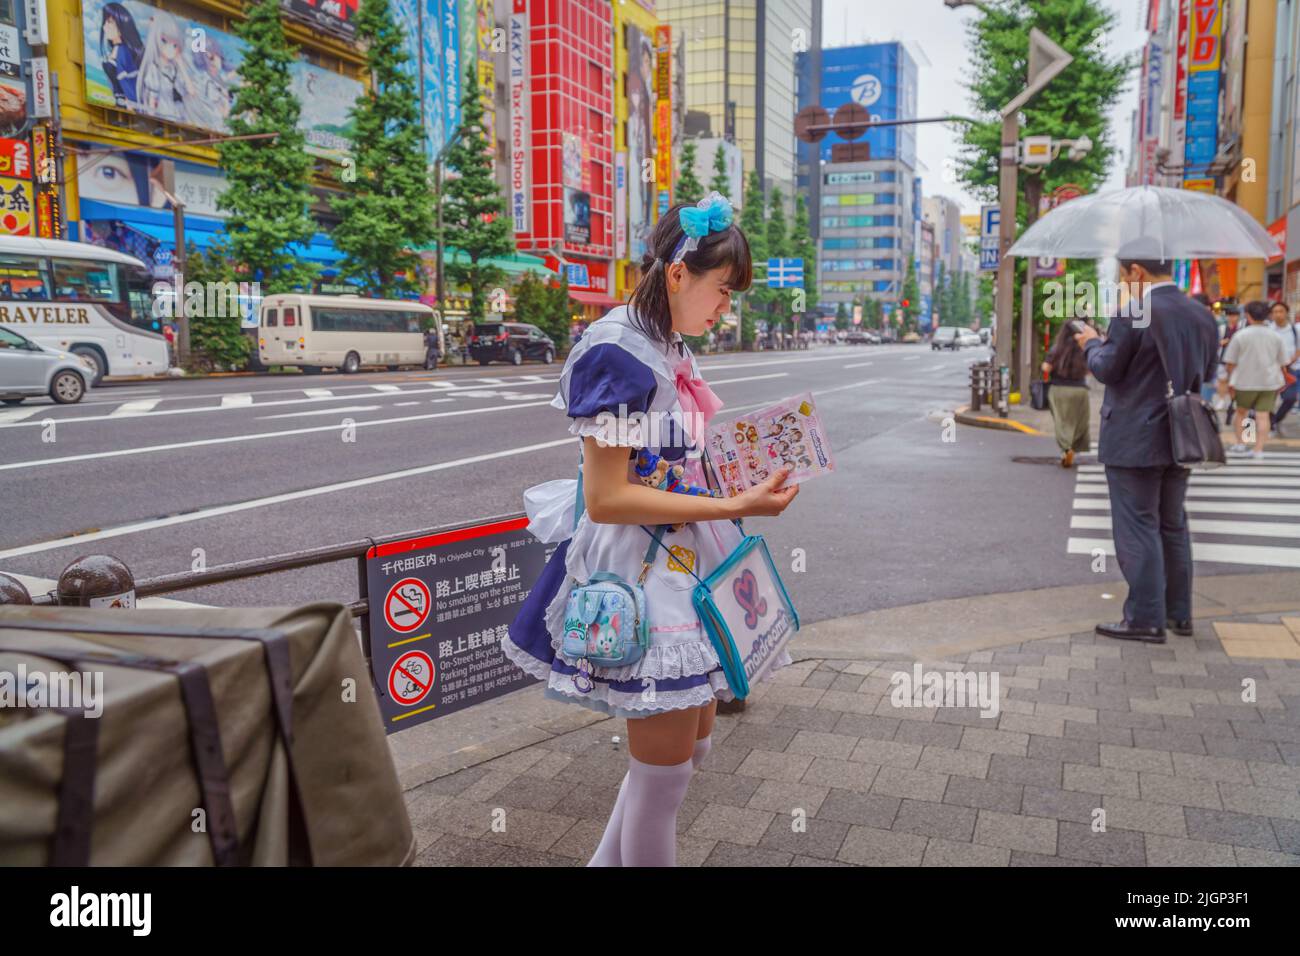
x: 615, y: 366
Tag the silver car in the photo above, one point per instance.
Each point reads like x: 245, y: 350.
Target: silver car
x: 28, y: 370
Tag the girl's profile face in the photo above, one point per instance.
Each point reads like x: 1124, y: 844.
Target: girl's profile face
x: 112, y: 35
x: 698, y: 302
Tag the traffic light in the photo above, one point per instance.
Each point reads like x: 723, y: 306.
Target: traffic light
x: 906, y: 303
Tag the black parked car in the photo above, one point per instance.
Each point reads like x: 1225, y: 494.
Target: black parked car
x: 510, y: 342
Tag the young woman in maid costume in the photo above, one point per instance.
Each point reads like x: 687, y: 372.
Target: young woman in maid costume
x: 634, y: 360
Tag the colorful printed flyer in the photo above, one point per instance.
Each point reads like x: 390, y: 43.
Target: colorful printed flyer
x: 749, y: 449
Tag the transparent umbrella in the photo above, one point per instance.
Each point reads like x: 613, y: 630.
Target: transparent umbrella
x: 1147, y: 222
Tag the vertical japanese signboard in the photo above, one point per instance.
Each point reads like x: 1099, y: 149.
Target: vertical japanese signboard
x: 517, y: 52
x: 440, y: 606
x: 1204, y: 57
x: 664, y: 116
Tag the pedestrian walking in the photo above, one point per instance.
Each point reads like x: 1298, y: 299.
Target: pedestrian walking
x: 1289, y: 333
x: 633, y: 359
x: 1067, y: 394
x: 1147, y: 490
x: 1256, y: 362
x: 432, y: 348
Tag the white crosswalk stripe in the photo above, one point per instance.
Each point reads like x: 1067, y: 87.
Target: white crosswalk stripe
x: 386, y: 388
x: 1245, y: 513
x: 18, y: 414
x: 317, y: 392
x: 138, y: 407
x: 236, y: 400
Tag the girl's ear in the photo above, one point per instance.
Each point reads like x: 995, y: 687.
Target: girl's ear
x: 675, y: 276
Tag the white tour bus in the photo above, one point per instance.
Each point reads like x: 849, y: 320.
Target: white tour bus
x: 85, y: 299
x: 342, y: 331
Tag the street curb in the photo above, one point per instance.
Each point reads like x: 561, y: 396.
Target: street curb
x: 962, y: 414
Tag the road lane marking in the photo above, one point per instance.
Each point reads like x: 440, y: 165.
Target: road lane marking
x: 911, y: 358
x: 386, y: 388
x: 840, y: 388
x: 328, y: 411
x: 318, y: 393
x: 935, y: 368
x: 154, y: 523
x: 1254, y: 554
x: 1254, y: 529
x: 726, y: 366
x: 139, y: 407
x: 18, y: 414
x: 858, y: 364
x: 490, y: 381
x: 238, y: 400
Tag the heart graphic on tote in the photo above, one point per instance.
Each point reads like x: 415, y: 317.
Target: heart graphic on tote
x: 745, y: 588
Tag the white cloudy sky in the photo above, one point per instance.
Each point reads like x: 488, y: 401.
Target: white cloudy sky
x: 936, y: 37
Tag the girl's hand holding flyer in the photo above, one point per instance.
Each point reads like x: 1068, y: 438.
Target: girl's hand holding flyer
x: 751, y: 448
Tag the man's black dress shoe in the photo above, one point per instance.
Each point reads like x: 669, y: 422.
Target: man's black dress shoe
x: 1181, y: 628
x: 1125, y: 631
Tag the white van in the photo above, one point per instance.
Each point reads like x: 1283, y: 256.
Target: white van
x: 343, y: 332
x: 84, y: 299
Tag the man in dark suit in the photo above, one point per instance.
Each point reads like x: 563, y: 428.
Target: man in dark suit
x: 1147, y: 489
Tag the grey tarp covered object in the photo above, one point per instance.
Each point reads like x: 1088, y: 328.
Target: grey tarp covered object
x: 146, y: 780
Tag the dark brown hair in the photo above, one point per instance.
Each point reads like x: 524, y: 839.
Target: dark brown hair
x: 1258, y: 311
x: 1066, y: 358
x: 727, y: 248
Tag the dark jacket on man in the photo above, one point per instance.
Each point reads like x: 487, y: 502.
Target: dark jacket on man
x: 1134, y: 412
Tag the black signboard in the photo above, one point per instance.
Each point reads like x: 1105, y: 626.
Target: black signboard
x: 439, y: 608
x: 329, y: 16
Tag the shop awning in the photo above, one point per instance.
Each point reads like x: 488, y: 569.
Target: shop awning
x: 595, y: 298
x: 513, y: 265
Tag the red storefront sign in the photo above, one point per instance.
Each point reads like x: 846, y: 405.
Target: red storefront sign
x: 1278, y: 232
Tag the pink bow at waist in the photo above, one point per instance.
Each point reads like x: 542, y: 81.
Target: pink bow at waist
x: 699, y: 403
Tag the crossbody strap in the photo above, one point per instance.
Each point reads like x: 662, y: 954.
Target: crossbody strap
x: 1164, y: 362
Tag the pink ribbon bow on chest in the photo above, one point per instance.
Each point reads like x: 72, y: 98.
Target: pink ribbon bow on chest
x: 698, y: 402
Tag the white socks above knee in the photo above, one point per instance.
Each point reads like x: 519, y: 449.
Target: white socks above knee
x: 702, y: 747
x: 654, y: 793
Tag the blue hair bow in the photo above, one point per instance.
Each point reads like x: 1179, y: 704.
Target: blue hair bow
x: 713, y: 213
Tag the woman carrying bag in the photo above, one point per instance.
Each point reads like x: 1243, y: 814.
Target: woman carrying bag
x: 638, y: 405
x: 1067, y: 395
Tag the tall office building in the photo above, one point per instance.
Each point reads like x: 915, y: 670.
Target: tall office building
x: 740, y: 75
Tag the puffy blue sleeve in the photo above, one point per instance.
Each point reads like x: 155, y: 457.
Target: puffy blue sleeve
x: 608, y: 379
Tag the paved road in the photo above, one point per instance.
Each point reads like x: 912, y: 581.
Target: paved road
x: 237, y: 468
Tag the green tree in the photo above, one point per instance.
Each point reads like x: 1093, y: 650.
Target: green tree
x: 941, y: 298
x: 688, y: 188
x: 781, y: 301
x: 1076, y: 102
x: 803, y: 247
x: 721, y: 182
x: 386, y: 209
x: 473, y: 210
x: 984, y: 299
x: 754, y: 225
x: 216, y: 341
x: 912, y: 296
x: 267, y: 194
x: 559, y: 312
x: 841, y: 316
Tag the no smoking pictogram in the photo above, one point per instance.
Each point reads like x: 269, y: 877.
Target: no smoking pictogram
x: 407, y: 605
x: 411, y: 678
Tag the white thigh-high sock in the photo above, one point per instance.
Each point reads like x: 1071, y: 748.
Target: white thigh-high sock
x: 654, y: 793
x: 609, y: 852
x: 702, y: 747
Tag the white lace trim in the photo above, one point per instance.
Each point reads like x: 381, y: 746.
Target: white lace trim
x: 609, y: 701
x: 606, y: 433
x: 525, y: 661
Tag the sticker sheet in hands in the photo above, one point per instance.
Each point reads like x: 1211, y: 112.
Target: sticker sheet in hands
x: 753, y: 447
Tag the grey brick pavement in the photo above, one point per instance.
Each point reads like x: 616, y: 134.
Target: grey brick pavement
x: 1100, y: 754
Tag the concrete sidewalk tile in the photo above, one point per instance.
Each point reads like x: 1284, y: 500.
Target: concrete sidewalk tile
x: 940, y: 852
x: 580, y: 842
x: 530, y: 829
x: 552, y: 762
x: 810, y: 861
x: 868, y: 846
x: 865, y: 668
x: 808, y: 718
x: 1210, y: 768
x: 1230, y: 631
x: 1033, y: 771
x: 461, y: 817
x: 1273, y: 650
x: 799, y: 696
x: 841, y: 774
x: 422, y: 803
x: 1246, y: 856
x: 453, y: 784
x: 1123, y: 813
x: 784, y: 798
x: 865, y: 725
x: 928, y: 818
x: 690, y: 808
x: 517, y: 857
x: 821, y: 839
x: 724, y: 758
x: 1226, y: 826
x: 742, y: 825
x: 822, y: 745
x: 1288, y: 835
x: 605, y: 767
x: 849, y: 702
x: 1137, y: 758
x: 984, y: 794
x: 915, y: 784
x: 1020, y: 858
x: 1191, y: 695
x: 849, y: 682
x: 1083, y: 715
x: 1095, y: 650
x: 693, y: 852
x: 1116, y: 847
x: 730, y: 855
x: 1175, y: 851
x: 772, y: 765
x: 1263, y: 801
x: 929, y: 734
x: 1250, y: 750
x: 1060, y: 804
x: 453, y: 850
x: 722, y: 788
x: 1099, y: 733
x: 533, y: 793
x: 1130, y: 719
x: 967, y: 763
x: 762, y: 736
x: 1186, y: 791
x: 1041, y: 726
x: 1278, y: 733
x: 1178, y: 667
x: 961, y: 716
x: 1064, y: 750
x: 1292, y: 624
x: 860, y: 809
x: 1007, y: 706
x: 1203, y: 726
x: 1167, y: 740
x: 1100, y: 780
x: 1274, y: 775
x: 995, y: 741
x: 518, y: 762
x: 1178, y: 708
x: 887, y: 753
x: 1038, y: 696
x: 1016, y: 832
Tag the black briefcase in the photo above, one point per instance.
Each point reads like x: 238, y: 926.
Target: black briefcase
x: 1038, y: 394
x: 1193, y: 426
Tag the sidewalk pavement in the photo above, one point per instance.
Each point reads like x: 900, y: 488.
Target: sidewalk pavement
x: 1102, y: 752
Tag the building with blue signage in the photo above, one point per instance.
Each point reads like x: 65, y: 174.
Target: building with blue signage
x: 866, y: 212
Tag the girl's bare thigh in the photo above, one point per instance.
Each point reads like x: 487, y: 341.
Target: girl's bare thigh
x: 669, y: 738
